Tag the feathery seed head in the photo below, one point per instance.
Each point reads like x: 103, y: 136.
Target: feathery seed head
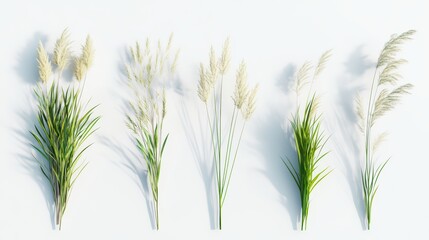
x: 249, y: 106
x: 302, y: 76
x: 170, y: 41
x: 203, y: 88
x: 315, y: 105
x: 174, y: 64
x: 147, y: 50
x: 392, y: 47
x: 136, y: 53
x: 225, y: 58
x: 213, y: 65
x: 322, y: 62
x: 62, y: 50
x: 241, y: 89
x: 45, y: 68
x: 87, y: 53
x: 80, y: 68
x: 387, y: 100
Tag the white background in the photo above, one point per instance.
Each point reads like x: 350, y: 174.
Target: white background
x: 274, y: 37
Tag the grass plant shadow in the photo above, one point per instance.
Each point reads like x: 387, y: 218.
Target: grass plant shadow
x: 27, y: 70
x: 346, y: 139
x: 275, y: 142
x: 131, y: 163
x: 198, y: 138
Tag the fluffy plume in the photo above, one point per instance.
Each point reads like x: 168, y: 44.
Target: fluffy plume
x: 249, y: 106
x: 213, y: 67
x: 322, y: 62
x: 174, y: 64
x: 302, y: 76
x: 45, y: 69
x: 241, y: 91
x: 62, y: 50
x: 84, y: 62
x: 225, y: 58
x: 392, y: 47
x: 79, y: 69
x: 87, y: 53
x: 386, y: 100
x: 203, y: 88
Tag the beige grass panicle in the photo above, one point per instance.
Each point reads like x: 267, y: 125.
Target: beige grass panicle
x: 85, y: 60
x: 44, y: 64
x: 241, y: 89
x: 249, y: 107
x: 62, y: 53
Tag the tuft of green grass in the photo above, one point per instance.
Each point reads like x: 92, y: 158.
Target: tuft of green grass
x: 149, y: 107
x: 62, y: 128
x: 309, y: 141
x: 211, y: 93
x: 385, y: 94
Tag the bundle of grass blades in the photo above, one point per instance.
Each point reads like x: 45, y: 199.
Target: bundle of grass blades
x: 210, y: 91
x: 309, y: 140
x: 147, y: 75
x: 384, y: 95
x: 63, y: 124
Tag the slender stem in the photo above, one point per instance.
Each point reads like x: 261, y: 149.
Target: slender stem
x: 220, y: 217
x: 369, y: 120
x: 368, y: 160
x: 216, y: 130
x: 233, y: 163
x: 229, y: 144
x: 214, y: 157
x: 157, y: 213
x: 220, y: 132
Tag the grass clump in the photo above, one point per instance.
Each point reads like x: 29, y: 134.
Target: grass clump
x: 309, y: 140
x: 146, y: 75
x: 225, y: 144
x: 385, y: 94
x: 63, y: 125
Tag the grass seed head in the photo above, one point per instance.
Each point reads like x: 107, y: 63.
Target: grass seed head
x: 87, y: 53
x: 225, y: 59
x: 203, y: 88
x: 249, y: 107
x: 62, y: 50
x: 45, y: 68
x: 80, y: 68
x: 241, y: 89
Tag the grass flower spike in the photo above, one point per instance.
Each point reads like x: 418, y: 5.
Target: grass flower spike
x: 84, y: 62
x: 45, y: 67
x: 385, y: 94
x: 210, y: 91
x: 62, y: 52
x: 149, y: 109
x: 309, y: 140
x: 62, y: 128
